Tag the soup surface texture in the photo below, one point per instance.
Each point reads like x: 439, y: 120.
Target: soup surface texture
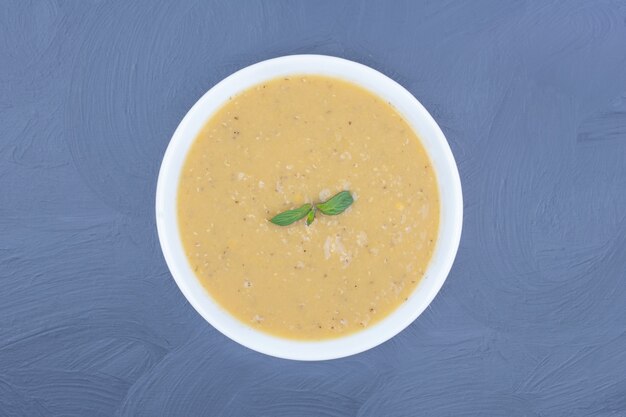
x: 302, y: 139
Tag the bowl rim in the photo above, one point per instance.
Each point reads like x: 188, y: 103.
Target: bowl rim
x: 437, y: 148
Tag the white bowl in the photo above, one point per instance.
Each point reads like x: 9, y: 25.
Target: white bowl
x: 434, y: 141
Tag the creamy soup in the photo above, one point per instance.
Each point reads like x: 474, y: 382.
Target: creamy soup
x: 295, y: 140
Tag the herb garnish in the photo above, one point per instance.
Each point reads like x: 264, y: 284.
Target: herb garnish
x: 287, y: 217
x: 337, y: 204
x: 333, y: 206
x: 310, y: 217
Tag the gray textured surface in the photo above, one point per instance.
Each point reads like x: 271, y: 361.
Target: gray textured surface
x: 532, y: 97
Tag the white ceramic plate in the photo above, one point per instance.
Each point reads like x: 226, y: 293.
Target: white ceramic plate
x: 449, y: 189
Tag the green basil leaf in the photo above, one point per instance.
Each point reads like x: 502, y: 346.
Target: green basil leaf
x: 310, y: 217
x: 287, y: 217
x: 336, y: 204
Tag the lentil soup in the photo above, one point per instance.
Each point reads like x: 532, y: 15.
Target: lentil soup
x: 296, y: 140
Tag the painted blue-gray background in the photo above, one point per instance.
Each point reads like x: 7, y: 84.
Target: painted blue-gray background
x: 532, y: 319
